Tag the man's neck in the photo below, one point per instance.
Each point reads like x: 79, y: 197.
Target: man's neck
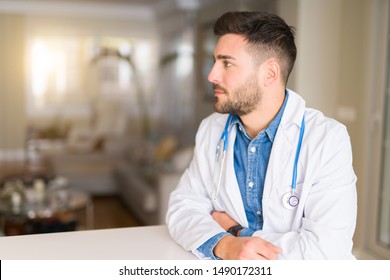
x: 263, y: 115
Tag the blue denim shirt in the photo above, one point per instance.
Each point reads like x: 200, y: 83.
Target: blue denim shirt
x: 251, y: 158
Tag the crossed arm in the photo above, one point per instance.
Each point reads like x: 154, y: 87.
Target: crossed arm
x: 244, y: 248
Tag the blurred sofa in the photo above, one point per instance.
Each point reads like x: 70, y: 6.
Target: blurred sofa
x: 107, y: 155
x: 143, y: 179
x: 145, y: 189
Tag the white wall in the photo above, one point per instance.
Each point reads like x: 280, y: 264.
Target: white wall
x: 12, y: 100
x: 318, y: 43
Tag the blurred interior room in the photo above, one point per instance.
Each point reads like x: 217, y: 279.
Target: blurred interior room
x: 100, y: 101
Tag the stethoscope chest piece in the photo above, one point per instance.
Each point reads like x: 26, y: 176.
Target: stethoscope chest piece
x: 290, y: 200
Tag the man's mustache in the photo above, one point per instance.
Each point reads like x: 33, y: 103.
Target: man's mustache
x: 218, y: 87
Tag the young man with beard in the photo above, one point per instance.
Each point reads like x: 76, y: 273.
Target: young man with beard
x: 270, y: 178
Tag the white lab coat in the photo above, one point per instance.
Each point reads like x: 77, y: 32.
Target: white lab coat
x: 323, y: 224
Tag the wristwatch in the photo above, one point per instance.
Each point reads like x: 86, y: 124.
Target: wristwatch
x: 234, y: 230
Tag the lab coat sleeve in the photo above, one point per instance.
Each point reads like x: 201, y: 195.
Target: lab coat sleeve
x: 330, y: 206
x: 188, y: 217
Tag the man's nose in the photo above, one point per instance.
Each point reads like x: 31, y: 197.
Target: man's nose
x: 214, y: 76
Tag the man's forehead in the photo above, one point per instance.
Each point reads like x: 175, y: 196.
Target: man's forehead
x: 230, y: 45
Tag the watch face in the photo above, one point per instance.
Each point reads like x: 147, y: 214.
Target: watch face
x: 234, y: 229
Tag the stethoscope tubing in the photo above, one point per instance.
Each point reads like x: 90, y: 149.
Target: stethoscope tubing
x: 295, y: 170
x: 225, y: 138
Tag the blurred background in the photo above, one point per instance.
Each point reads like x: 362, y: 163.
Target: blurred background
x: 104, y: 97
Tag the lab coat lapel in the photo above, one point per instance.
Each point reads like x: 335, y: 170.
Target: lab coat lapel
x: 283, y: 148
x: 282, y: 151
x: 233, y: 190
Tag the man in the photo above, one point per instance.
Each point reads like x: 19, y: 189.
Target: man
x: 286, y: 188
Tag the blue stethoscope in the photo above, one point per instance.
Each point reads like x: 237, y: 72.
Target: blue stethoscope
x: 290, y: 199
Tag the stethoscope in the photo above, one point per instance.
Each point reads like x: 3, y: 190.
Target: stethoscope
x: 290, y: 199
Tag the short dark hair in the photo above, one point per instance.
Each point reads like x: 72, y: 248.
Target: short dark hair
x: 268, y: 36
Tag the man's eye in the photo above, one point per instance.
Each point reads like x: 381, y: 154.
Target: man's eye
x: 227, y: 64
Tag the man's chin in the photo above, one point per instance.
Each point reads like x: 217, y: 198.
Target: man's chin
x: 222, y: 107
x: 218, y: 108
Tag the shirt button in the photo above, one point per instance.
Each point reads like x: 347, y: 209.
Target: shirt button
x: 253, y: 149
x: 251, y: 184
x: 258, y: 213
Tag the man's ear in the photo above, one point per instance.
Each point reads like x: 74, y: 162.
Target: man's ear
x: 271, y: 72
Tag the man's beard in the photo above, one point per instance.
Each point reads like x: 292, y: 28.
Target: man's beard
x: 240, y: 101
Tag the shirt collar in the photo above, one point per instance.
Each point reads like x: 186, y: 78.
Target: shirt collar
x: 272, y: 128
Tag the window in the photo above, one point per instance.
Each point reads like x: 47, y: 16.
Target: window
x: 383, y: 234
x: 383, y: 230
x: 377, y: 220
x: 67, y: 74
x: 55, y: 75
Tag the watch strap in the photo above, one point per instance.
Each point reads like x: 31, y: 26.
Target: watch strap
x: 234, y: 229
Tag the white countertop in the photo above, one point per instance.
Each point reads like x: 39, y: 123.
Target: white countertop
x: 133, y: 243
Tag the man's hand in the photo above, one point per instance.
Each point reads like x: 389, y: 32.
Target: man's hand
x: 246, y: 248
x: 242, y: 248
